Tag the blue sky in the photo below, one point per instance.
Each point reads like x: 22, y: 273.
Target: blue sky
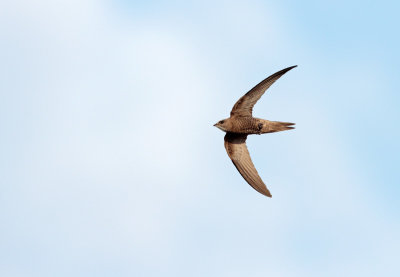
x: 110, y: 165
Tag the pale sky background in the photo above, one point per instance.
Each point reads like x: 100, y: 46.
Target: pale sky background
x: 110, y: 165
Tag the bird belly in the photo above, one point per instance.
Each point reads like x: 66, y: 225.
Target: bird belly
x: 247, y: 125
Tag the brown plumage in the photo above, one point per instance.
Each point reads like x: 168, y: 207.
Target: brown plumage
x: 241, y: 123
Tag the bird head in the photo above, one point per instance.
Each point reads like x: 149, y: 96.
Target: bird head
x: 222, y: 125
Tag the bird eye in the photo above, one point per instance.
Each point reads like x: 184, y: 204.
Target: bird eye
x: 221, y: 122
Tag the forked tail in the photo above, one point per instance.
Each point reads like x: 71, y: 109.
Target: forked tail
x: 276, y: 126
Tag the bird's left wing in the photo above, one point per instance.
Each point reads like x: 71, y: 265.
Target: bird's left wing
x: 235, y: 145
x: 244, y: 106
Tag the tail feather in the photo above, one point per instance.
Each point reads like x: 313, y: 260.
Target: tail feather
x: 276, y: 126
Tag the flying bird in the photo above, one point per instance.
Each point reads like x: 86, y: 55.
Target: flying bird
x: 241, y: 123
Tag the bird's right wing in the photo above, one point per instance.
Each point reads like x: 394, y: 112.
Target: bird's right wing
x: 244, y: 106
x: 235, y: 145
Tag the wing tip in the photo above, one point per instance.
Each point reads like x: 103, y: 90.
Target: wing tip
x: 266, y: 193
x: 290, y: 67
x: 283, y: 71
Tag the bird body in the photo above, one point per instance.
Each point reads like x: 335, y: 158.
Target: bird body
x: 252, y: 125
x: 241, y: 123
